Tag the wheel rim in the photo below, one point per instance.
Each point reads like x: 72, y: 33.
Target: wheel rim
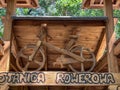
x: 25, y: 68
x: 78, y: 47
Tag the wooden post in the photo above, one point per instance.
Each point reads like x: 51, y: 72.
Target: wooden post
x: 110, y: 38
x: 10, y: 10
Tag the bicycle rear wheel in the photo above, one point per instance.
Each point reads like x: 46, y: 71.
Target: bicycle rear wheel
x: 77, y: 49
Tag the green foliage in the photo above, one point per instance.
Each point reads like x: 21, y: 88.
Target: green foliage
x: 117, y: 29
x: 1, y: 28
x: 21, y: 11
x: 2, y: 13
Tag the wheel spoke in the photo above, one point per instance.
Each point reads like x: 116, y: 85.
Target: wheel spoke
x: 82, y: 67
x: 22, y: 55
x: 37, y: 62
x: 92, y: 59
x: 26, y: 66
x: 26, y: 57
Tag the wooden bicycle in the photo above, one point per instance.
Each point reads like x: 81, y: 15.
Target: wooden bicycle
x: 70, y: 54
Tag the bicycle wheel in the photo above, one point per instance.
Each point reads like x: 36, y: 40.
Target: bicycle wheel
x: 22, y: 57
x: 80, y: 51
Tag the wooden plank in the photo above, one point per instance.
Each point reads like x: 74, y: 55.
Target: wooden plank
x: 59, y: 79
x: 110, y: 37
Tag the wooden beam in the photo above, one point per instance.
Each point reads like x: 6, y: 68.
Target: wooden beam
x: 110, y: 37
x: 117, y: 49
x: 101, y: 46
x: 102, y: 43
x: 11, y: 6
x: 101, y: 63
x: 7, y: 34
x: 53, y: 78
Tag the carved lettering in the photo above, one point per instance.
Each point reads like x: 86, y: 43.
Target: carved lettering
x: 84, y: 78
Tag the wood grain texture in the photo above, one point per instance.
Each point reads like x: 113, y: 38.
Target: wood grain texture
x: 52, y: 78
x: 88, y: 32
x: 110, y: 37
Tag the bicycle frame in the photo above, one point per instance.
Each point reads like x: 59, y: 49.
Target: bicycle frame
x: 62, y: 51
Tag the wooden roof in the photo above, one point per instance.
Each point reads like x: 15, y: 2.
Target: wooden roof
x: 89, y: 30
x: 98, y: 4
x: 22, y: 3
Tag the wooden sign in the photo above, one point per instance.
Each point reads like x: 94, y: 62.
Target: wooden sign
x: 58, y: 79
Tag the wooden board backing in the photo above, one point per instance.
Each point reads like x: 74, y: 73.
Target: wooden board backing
x: 88, y: 30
